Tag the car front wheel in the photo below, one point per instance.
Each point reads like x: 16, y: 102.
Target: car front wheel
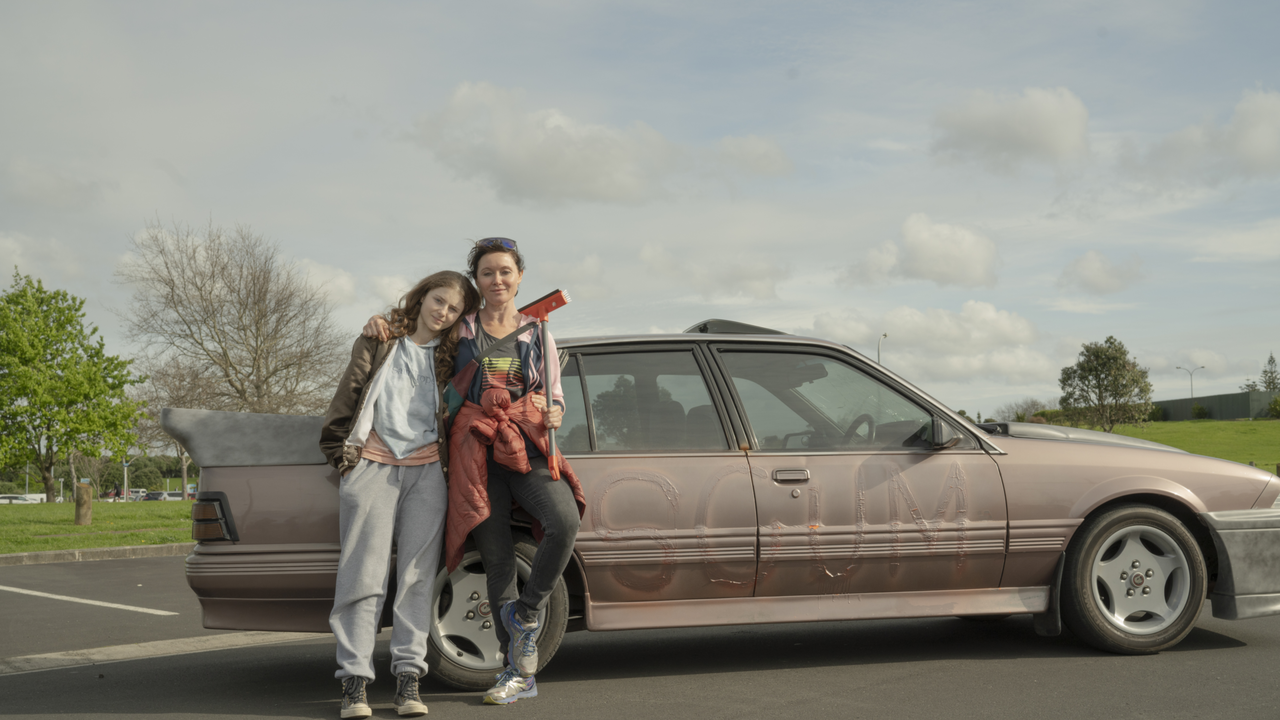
x: 1134, y: 581
x: 463, y: 649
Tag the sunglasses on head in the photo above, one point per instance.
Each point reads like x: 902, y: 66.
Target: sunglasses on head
x: 497, y: 242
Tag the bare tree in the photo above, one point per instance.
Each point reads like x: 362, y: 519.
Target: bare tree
x: 178, y: 383
x: 92, y: 467
x: 1022, y: 410
x: 224, y: 311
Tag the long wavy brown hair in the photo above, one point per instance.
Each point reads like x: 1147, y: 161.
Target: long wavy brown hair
x: 403, y: 319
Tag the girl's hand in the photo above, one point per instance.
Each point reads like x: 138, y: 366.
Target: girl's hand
x: 377, y: 328
x: 551, y: 418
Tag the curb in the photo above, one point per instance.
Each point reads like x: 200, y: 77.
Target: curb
x: 108, y: 553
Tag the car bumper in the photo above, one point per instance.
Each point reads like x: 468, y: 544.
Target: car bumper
x: 1248, y: 543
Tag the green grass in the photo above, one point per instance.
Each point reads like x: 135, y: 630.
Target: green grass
x: 114, y: 525
x: 1239, y: 440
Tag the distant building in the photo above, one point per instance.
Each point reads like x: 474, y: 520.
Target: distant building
x: 1234, y: 406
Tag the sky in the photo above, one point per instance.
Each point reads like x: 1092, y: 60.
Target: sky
x: 990, y: 184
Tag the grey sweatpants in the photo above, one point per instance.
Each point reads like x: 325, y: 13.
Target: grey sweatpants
x: 378, y: 504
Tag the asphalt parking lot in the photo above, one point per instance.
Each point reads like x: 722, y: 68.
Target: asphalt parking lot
x: 907, y: 668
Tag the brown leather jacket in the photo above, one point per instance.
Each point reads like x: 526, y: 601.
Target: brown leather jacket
x: 367, y: 356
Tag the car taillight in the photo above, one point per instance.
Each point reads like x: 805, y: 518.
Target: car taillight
x: 209, y: 521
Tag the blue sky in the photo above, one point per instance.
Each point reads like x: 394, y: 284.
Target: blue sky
x: 992, y: 184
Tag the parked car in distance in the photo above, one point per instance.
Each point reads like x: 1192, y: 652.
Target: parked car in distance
x: 172, y: 495
x: 17, y: 500
x: 737, y: 475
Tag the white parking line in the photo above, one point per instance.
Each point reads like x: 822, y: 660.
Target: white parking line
x: 142, y: 651
x: 99, y: 603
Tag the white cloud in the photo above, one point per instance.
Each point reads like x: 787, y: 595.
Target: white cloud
x: 944, y: 254
x: 38, y: 258
x: 979, y: 341
x: 1003, y: 132
x: 1205, y: 362
x: 485, y: 132
x: 1095, y: 273
x: 388, y: 289
x: 719, y: 280
x: 1084, y: 307
x: 583, y: 280
x: 338, y: 283
x: 1248, y: 145
x: 1258, y: 242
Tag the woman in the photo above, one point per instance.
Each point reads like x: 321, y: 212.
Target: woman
x: 498, y: 441
x: 383, y: 433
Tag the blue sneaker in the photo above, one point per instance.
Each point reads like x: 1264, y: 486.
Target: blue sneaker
x: 523, y: 651
x: 510, y: 688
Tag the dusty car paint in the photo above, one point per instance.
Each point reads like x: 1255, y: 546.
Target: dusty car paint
x: 742, y: 536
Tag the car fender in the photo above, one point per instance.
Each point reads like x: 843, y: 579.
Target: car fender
x: 1120, y: 487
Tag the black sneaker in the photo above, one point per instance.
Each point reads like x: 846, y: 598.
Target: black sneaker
x: 355, y: 702
x: 407, y: 702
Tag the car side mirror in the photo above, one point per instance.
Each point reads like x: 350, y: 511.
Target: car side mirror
x: 944, y: 436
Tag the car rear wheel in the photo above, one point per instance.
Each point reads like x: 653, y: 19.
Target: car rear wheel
x: 1134, y: 581
x: 463, y: 647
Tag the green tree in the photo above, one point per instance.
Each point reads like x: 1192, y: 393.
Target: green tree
x: 60, y: 392
x: 1106, y: 387
x: 1269, y: 379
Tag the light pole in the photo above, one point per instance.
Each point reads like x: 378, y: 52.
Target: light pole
x: 1192, y: 374
x: 882, y: 337
x: 125, y: 463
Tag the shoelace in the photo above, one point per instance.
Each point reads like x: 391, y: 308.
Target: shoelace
x: 353, y: 689
x: 408, y: 687
x: 506, y: 676
x: 528, y: 647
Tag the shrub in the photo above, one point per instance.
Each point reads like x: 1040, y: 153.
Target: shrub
x: 1274, y: 408
x: 1156, y: 415
x: 1199, y: 412
x: 1049, y: 416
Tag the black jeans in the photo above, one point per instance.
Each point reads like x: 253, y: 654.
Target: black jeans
x: 551, y: 502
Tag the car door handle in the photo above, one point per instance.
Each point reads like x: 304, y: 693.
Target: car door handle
x: 791, y: 476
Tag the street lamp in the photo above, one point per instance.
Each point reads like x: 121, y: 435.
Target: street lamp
x: 882, y: 337
x: 1192, y: 374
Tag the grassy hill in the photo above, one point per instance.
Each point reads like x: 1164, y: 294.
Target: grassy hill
x: 1239, y: 440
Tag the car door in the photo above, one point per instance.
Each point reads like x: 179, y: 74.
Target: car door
x: 670, y: 505
x: 851, y: 495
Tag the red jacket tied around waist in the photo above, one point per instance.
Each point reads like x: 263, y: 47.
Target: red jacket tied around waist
x: 493, y: 422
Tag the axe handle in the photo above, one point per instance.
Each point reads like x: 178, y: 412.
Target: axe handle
x: 546, y: 385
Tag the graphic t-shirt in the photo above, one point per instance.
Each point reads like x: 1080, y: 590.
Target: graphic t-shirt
x: 502, y: 368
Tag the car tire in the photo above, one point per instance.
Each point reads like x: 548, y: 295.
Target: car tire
x: 1134, y: 581
x: 461, y: 652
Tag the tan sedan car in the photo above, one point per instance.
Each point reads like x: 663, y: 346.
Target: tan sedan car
x: 737, y: 475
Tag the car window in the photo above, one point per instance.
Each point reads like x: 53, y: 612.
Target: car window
x: 574, y: 436
x: 797, y: 402
x: 652, y: 401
